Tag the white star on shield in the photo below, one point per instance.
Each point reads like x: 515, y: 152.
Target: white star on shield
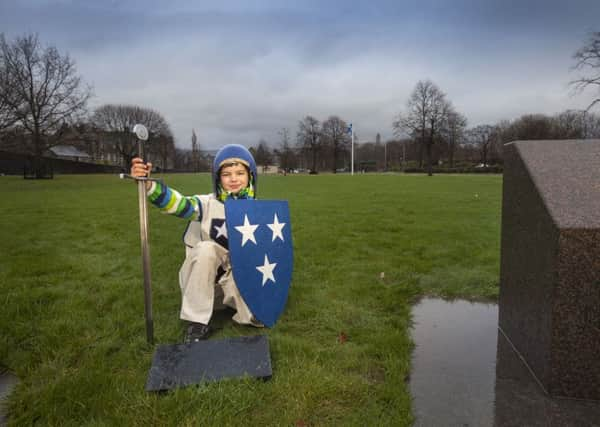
x: 267, y: 270
x: 276, y: 227
x: 221, y: 231
x: 247, y: 230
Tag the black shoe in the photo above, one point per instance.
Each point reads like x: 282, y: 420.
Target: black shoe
x: 196, y: 332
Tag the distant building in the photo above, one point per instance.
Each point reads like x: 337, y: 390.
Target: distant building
x: 103, y: 149
x: 208, y: 156
x: 68, y: 152
x: 107, y: 154
x: 268, y: 170
x: 195, y: 152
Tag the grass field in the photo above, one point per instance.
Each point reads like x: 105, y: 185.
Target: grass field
x: 72, y: 324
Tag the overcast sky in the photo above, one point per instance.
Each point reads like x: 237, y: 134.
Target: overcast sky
x: 239, y: 71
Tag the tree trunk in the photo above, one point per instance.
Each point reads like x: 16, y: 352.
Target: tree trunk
x: 429, y: 168
x: 429, y: 149
x: 335, y: 159
x: 38, y: 168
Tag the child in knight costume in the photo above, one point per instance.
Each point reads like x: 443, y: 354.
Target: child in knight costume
x: 205, y: 278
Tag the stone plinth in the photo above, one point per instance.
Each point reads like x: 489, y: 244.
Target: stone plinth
x: 181, y: 365
x: 550, y: 262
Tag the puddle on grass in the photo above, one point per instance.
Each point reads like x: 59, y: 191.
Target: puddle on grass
x: 465, y: 373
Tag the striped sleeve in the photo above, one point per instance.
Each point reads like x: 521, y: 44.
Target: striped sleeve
x: 171, y: 202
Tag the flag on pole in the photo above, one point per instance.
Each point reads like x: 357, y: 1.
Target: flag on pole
x: 351, y: 132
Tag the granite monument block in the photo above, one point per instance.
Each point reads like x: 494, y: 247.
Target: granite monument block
x: 181, y: 365
x: 549, y: 304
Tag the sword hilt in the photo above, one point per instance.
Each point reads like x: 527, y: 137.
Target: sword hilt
x: 140, y: 178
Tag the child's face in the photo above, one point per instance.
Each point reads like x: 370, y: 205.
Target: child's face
x: 234, y: 178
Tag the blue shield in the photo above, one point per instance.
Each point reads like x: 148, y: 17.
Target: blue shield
x: 260, y: 247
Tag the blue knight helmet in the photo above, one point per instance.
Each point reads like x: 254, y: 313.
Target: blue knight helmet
x: 234, y: 153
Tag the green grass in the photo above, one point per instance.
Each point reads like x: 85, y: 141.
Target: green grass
x: 72, y: 324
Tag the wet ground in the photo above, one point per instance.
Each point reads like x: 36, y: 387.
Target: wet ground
x: 465, y: 373
x: 7, y: 382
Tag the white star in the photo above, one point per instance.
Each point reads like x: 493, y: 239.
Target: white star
x: 247, y: 230
x: 267, y: 270
x: 276, y: 228
x: 221, y: 231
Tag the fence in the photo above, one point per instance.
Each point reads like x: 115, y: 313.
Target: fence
x: 16, y: 164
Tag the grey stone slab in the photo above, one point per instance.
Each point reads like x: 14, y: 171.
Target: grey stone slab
x: 7, y: 382
x: 181, y: 365
x: 521, y: 401
x: 550, y: 262
x: 566, y: 173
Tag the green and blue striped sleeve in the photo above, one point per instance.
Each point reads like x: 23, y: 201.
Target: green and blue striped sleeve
x: 172, y: 202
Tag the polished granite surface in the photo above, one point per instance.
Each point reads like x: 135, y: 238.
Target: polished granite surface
x: 7, y: 382
x: 549, y: 300
x: 466, y: 373
x: 181, y: 365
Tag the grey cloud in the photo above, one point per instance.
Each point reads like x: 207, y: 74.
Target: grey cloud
x: 240, y: 71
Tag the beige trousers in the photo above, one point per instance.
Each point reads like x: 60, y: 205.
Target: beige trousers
x: 200, y: 295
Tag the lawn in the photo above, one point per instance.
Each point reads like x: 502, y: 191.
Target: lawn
x: 365, y: 247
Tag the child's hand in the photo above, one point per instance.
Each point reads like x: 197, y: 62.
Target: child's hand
x: 139, y: 168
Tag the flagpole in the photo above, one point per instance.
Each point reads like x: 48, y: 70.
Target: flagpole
x: 352, y: 155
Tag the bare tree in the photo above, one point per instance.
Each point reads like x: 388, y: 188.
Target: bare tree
x: 454, y: 131
x: 7, y: 116
x: 285, y: 153
x: 163, y: 145
x: 116, y: 123
x: 309, y: 138
x: 335, y: 135
x: 575, y: 124
x: 569, y: 124
x: 427, y: 109
x: 414, y: 121
x: 592, y: 126
x: 263, y: 155
x: 184, y: 160
x: 588, y: 59
x: 532, y: 126
x: 482, y: 137
x: 8, y: 94
x: 39, y: 90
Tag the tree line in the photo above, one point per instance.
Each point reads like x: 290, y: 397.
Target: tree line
x: 436, y: 132
x: 430, y: 131
x: 43, y: 103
